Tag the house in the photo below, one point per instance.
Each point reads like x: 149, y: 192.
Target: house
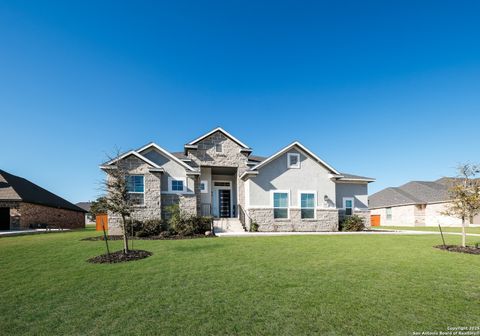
x: 89, y: 218
x: 416, y: 203
x: 24, y: 205
x: 217, y: 175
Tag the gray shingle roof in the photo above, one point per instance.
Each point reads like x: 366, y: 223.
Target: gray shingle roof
x: 15, y: 188
x: 347, y: 176
x: 414, y: 192
x: 84, y: 205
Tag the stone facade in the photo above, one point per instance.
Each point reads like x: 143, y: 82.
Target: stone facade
x: 151, y: 209
x: 365, y: 214
x: 24, y: 215
x: 327, y: 220
x: 187, y: 203
x: 206, y: 155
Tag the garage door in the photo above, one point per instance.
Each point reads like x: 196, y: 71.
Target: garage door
x: 4, y: 219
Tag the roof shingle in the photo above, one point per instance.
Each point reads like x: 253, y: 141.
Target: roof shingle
x: 15, y: 188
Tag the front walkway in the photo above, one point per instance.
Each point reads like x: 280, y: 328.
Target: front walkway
x: 335, y: 233
x: 28, y: 232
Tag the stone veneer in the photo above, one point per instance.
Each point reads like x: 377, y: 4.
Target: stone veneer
x: 151, y: 208
x: 327, y: 220
x: 365, y: 214
x: 187, y: 203
x: 23, y: 215
x: 205, y: 155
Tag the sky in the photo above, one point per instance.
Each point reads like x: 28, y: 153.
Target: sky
x: 386, y: 89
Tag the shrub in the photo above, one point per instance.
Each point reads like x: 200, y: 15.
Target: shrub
x: 184, y: 224
x: 352, y: 223
x: 152, y: 227
x: 254, y: 227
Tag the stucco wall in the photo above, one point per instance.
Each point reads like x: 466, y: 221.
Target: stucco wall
x: 359, y: 192
x: 172, y: 169
x: 277, y: 176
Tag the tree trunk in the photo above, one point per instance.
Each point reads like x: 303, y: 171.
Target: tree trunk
x: 125, y: 238
x: 464, y: 233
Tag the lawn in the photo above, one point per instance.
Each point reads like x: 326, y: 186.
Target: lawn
x: 475, y: 230
x: 328, y: 285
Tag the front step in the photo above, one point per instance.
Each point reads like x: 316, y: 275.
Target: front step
x: 227, y: 225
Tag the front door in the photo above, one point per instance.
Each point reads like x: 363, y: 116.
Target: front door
x: 4, y: 219
x: 224, y: 203
x: 222, y: 199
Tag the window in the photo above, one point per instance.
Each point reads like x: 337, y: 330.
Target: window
x: 348, y: 205
x: 219, y: 148
x: 176, y: 184
x: 389, y: 213
x: 293, y: 160
x: 280, y: 205
x: 222, y: 184
x: 307, y: 205
x: 135, y: 189
x: 204, y: 186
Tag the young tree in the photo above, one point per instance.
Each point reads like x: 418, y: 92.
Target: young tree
x: 117, y: 198
x: 99, y: 206
x: 465, y: 196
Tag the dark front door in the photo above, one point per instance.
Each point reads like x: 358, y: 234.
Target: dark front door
x: 224, y: 202
x: 4, y: 219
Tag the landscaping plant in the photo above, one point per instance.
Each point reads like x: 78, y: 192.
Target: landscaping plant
x: 465, y: 196
x: 352, y: 223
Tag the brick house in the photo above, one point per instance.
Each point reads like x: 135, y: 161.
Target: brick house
x: 217, y: 175
x: 23, y: 205
x: 416, y: 203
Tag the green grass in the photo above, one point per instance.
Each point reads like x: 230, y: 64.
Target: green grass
x: 328, y: 285
x: 475, y: 230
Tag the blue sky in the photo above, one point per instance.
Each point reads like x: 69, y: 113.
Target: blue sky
x: 383, y: 89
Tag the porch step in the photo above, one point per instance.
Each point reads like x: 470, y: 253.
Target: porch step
x: 227, y: 225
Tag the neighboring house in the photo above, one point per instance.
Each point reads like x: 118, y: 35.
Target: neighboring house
x: 89, y: 218
x: 416, y: 203
x: 292, y: 190
x: 24, y: 204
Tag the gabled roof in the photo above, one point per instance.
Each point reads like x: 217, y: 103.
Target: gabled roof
x: 134, y: 153
x: 218, y: 129
x: 167, y: 154
x: 15, y: 188
x: 286, y: 149
x: 350, y: 177
x: 84, y: 205
x: 414, y: 192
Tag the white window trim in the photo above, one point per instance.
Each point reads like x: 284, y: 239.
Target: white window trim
x: 344, y: 203
x: 315, y: 205
x: 289, y: 165
x: 221, y: 146
x: 139, y: 192
x: 205, y: 183
x: 272, y: 193
x: 170, y: 179
x: 386, y: 214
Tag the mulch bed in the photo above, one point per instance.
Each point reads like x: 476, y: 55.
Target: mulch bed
x: 174, y: 237
x: 119, y: 256
x: 460, y: 249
